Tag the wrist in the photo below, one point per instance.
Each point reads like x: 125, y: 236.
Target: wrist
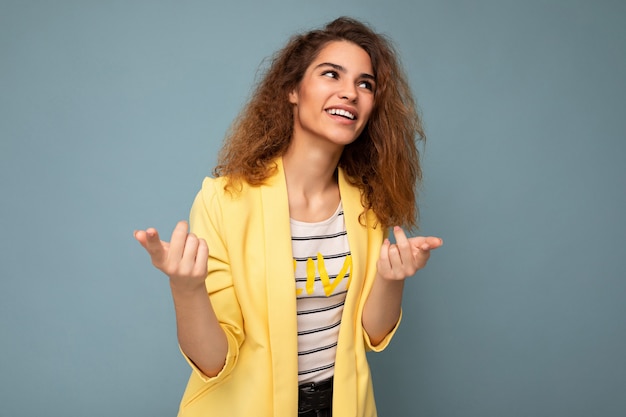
x: 389, y: 282
x: 186, y: 289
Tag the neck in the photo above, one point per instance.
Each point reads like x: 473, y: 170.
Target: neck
x: 312, y: 187
x: 310, y: 170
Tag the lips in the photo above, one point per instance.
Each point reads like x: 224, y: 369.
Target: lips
x: 341, y: 112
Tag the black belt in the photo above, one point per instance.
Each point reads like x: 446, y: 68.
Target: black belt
x: 315, y: 395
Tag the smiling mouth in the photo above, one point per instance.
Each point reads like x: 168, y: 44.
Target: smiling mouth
x: 342, y: 113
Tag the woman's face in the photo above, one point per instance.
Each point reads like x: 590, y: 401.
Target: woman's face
x: 335, y: 97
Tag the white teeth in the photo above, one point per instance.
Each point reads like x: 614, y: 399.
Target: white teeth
x: 341, y: 112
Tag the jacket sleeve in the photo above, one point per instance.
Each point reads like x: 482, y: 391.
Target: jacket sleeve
x: 382, y: 345
x: 206, y: 221
x: 373, y: 255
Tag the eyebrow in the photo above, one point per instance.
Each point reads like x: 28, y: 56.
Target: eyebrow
x: 342, y: 69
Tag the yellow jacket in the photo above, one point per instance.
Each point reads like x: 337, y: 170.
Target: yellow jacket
x: 252, y: 289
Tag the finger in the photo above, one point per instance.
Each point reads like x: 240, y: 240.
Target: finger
x: 190, y: 251
x: 414, y: 251
x: 202, y: 256
x: 383, y: 264
x: 434, y: 242
x: 177, y: 242
x: 152, y: 238
x: 426, y: 242
x: 404, y: 247
x: 422, y: 251
x: 154, y: 246
x: 395, y: 261
x: 422, y: 258
x: 140, y: 236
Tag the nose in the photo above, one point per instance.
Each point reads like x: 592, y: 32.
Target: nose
x: 348, y: 92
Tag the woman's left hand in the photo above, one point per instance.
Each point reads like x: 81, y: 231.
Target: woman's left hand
x: 404, y: 258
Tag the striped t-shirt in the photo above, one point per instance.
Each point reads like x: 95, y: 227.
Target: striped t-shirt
x: 323, y: 267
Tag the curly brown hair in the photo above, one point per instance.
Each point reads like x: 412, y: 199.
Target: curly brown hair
x: 383, y: 161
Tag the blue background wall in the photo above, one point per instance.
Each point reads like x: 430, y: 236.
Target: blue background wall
x: 111, y: 114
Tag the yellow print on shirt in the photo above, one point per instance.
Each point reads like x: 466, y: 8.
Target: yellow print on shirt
x: 328, y: 285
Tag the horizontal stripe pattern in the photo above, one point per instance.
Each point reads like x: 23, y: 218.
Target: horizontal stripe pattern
x: 322, y: 267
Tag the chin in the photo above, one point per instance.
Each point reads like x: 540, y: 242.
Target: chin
x: 343, y: 139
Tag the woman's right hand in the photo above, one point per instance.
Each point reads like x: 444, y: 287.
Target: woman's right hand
x: 183, y: 259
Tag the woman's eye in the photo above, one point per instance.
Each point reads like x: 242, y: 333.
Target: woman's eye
x: 367, y: 85
x: 330, y: 74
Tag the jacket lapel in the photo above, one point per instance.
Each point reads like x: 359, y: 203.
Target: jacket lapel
x: 345, y: 379
x: 281, y: 292
x: 357, y: 233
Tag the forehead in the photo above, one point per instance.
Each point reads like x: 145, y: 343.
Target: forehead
x: 346, y: 54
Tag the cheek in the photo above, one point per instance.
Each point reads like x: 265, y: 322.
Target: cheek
x: 369, y: 113
x: 308, y: 103
x: 299, y: 97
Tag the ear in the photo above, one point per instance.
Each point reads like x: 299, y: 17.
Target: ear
x: 293, y: 96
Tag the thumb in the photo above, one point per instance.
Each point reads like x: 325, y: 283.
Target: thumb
x: 151, y: 242
x: 140, y: 236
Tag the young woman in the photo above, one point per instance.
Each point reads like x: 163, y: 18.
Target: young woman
x: 289, y: 239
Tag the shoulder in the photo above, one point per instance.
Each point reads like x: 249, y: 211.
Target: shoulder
x: 219, y: 206
x: 223, y: 188
x: 218, y: 194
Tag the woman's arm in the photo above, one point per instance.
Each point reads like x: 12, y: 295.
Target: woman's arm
x: 396, y: 263
x: 184, y: 261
